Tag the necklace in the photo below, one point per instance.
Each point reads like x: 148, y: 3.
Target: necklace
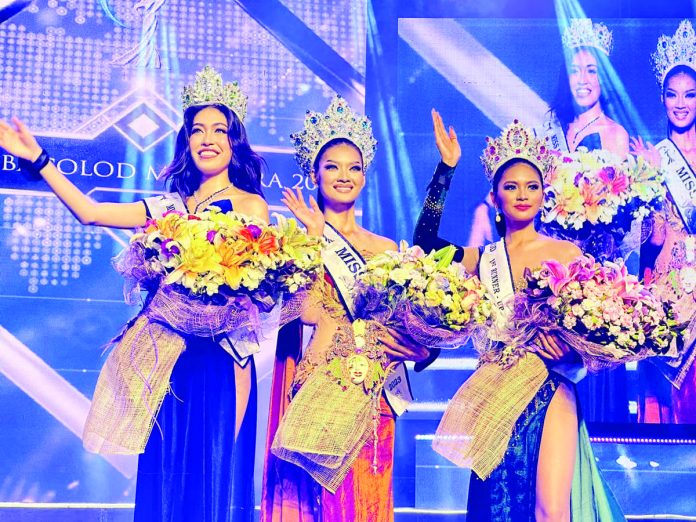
x: 586, y: 126
x: 199, y: 203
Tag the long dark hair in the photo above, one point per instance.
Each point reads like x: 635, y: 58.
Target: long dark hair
x: 563, y: 106
x: 315, y: 166
x: 245, y: 167
x: 500, y: 225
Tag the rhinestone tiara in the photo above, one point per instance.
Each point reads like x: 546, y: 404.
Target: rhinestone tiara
x: 339, y: 121
x: 516, y: 141
x: 583, y: 33
x: 671, y: 52
x: 208, y: 89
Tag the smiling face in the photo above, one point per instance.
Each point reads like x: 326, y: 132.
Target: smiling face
x: 583, y: 75
x: 680, y: 100
x: 339, y: 174
x: 209, y: 142
x: 519, y: 194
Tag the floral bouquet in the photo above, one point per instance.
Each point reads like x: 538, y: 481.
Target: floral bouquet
x: 428, y: 299
x: 216, y: 254
x: 219, y: 275
x: 606, y: 314
x: 594, y: 198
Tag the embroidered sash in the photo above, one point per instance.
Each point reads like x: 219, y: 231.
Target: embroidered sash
x: 681, y: 182
x: 343, y: 263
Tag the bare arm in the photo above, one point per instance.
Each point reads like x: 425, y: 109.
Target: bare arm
x: 19, y: 141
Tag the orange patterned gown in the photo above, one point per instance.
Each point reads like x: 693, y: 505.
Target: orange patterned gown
x: 289, y: 493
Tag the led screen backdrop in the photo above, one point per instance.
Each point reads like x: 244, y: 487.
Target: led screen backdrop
x: 99, y: 82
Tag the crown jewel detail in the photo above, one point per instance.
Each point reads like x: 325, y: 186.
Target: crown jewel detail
x: 339, y: 121
x: 208, y: 89
x: 583, y: 33
x: 516, y: 141
x: 671, y: 52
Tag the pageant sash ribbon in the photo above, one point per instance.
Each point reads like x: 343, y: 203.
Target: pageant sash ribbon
x: 160, y: 205
x: 496, y: 276
x: 681, y: 182
x: 551, y: 129
x: 343, y: 263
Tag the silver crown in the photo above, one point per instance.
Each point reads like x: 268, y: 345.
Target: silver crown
x: 339, y: 121
x: 516, y: 141
x: 208, y: 89
x: 583, y: 33
x: 680, y: 49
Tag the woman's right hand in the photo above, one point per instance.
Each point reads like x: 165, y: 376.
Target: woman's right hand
x: 18, y: 141
x: 446, y: 141
x: 310, y: 216
x: 647, y: 150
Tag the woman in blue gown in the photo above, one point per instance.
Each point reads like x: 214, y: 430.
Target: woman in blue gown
x: 546, y: 470
x: 197, y: 464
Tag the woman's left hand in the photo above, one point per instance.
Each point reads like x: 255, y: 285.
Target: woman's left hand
x: 400, y: 348
x: 551, y: 348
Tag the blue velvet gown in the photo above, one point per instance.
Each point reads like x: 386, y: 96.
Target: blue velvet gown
x: 193, y: 469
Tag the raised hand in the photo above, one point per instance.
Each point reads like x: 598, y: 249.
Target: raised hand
x: 18, y: 141
x: 446, y: 141
x: 310, y: 216
x: 647, y: 150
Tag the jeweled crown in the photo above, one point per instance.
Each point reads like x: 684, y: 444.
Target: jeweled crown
x: 679, y: 49
x: 339, y: 121
x: 583, y: 33
x: 516, y: 141
x: 208, y: 89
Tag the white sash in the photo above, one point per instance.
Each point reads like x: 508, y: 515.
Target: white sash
x: 344, y: 263
x: 681, y: 182
x: 160, y: 205
x: 551, y: 129
x: 496, y: 275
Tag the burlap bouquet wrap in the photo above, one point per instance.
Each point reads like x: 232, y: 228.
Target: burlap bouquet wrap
x: 477, y: 425
x: 330, y: 419
x: 135, y: 378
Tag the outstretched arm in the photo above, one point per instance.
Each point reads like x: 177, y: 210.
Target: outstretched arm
x: 428, y: 224
x: 19, y: 141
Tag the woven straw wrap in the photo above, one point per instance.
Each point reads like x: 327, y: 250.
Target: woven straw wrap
x: 477, y: 425
x: 324, y: 429
x: 327, y: 423
x: 136, y: 375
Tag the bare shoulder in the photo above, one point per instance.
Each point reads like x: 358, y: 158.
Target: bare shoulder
x: 617, y: 137
x: 251, y: 205
x: 377, y: 243
x: 559, y: 249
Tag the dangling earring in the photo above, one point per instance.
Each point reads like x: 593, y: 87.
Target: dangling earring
x: 498, y: 218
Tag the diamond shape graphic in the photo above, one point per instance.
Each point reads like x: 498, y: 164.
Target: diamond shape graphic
x: 143, y: 126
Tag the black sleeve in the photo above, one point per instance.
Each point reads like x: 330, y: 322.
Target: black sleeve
x: 428, y: 224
